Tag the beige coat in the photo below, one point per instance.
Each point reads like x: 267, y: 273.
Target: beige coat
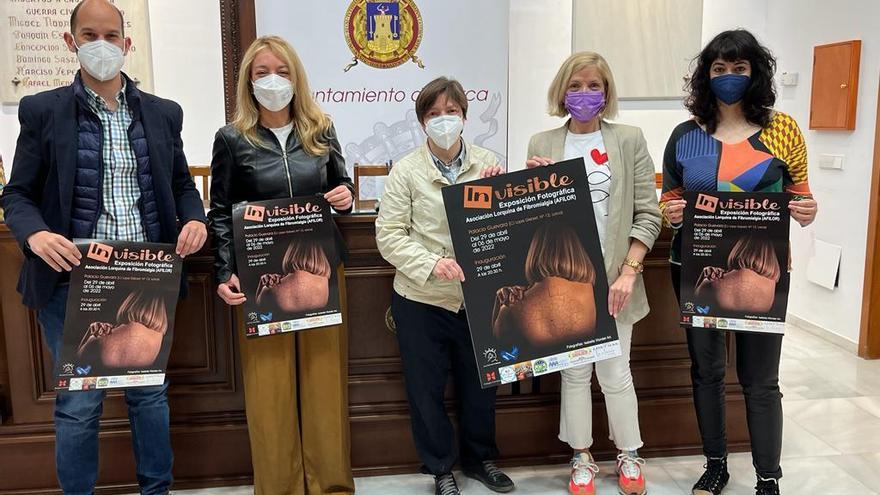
x: 411, y: 230
x: 632, y: 210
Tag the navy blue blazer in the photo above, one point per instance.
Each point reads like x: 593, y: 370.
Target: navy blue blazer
x: 40, y: 192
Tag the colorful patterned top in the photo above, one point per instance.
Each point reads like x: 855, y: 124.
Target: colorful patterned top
x: 773, y: 159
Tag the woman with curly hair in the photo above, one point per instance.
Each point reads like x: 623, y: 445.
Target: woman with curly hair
x: 736, y: 141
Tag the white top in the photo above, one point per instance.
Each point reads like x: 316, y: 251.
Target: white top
x: 591, y: 148
x: 282, y: 133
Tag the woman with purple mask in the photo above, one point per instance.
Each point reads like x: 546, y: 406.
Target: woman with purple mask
x: 624, y: 192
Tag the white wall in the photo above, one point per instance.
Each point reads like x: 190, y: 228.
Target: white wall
x: 540, y: 40
x: 793, y: 28
x: 187, y: 68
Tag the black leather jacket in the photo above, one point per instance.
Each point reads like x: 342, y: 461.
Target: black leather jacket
x: 242, y: 172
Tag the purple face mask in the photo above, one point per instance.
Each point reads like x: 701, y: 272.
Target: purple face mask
x: 584, y: 105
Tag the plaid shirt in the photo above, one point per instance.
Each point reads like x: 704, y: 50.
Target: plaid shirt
x: 120, y: 218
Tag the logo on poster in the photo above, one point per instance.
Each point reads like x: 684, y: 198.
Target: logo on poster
x: 478, y: 197
x: 491, y: 376
x: 510, y: 355
x: 67, y: 368
x: 707, y: 203
x: 99, y: 252
x: 255, y: 213
x: 507, y: 374
x: 491, y: 355
x: 383, y: 34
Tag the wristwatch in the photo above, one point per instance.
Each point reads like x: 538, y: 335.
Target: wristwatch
x: 638, y: 266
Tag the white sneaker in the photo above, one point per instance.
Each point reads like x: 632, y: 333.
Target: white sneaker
x: 583, y: 472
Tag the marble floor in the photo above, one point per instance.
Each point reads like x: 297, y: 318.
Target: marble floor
x: 831, y: 440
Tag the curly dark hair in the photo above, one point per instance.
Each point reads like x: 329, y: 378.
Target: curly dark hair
x: 757, y: 104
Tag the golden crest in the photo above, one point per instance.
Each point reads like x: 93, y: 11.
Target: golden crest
x: 383, y: 34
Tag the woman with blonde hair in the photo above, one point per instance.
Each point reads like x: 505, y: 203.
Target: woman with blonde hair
x: 280, y: 145
x: 624, y: 195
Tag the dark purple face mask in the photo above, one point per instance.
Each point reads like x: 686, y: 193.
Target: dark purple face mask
x: 584, y: 105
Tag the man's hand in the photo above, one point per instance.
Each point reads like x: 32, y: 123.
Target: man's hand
x: 57, y: 251
x: 192, y: 237
x: 230, y: 291
x: 339, y: 198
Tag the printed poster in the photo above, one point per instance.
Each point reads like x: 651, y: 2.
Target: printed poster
x: 287, y: 259
x: 535, y: 287
x: 734, y: 262
x: 119, y: 323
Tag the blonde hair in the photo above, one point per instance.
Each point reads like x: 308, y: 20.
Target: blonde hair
x: 148, y: 311
x: 756, y: 254
x: 574, y: 63
x: 306, y: 255
x: 557, y: 252
x: 311, y: 124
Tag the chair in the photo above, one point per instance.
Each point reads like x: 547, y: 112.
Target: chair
x: 204, y: 172
x: 367, y: 171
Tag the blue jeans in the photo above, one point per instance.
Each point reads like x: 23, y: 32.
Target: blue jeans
x: 76, y: 423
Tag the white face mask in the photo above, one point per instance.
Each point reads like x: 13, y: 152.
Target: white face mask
x: 445, y: 130
x: 101, y: 59
x: 273, y: 92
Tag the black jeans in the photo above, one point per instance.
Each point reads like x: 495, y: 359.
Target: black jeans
x: 757, y: 366
x: 431, y: 340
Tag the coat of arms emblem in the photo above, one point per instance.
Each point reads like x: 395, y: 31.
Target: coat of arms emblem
x: 383, y: 34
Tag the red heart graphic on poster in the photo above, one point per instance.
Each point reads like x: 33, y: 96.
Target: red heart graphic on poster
x: 599, y: 158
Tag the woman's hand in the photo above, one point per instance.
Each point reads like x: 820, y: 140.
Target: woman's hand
x: 230, y: 291
x: 674, y: 211
x: 340, y: 198
x: 538, y: 161
x: 448, y: 269
x: 620, y: 290
x: 491, y: 171
x: 803, y: 211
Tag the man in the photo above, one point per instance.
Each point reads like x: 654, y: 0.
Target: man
x: 98, y: 159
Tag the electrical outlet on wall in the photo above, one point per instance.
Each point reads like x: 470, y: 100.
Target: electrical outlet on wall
x: 788, y: 79
x: 831, y: 162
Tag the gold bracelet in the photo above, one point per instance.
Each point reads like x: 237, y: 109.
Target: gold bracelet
x: 638, y: 266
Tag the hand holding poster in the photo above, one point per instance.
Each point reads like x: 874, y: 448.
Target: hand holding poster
x: 287, y: 260
x: 120, y: 316
x: 535, y: 286
x: 734, y: 261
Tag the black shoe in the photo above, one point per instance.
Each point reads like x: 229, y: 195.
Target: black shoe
x: 445, y: 485
x: 492, y: 477
x: 767, y: 486
x: 714, y: 479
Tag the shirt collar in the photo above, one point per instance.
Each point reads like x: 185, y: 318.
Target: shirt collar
x: 458, y: 161
x: 97, y: 102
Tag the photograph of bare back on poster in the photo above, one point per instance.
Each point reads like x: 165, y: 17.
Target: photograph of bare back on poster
x: 286, y: 260
x: 535, y: 286
x: 734, y: 266
x: 120, y: 316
